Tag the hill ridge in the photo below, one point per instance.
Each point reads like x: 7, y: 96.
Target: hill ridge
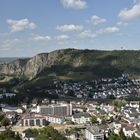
x: 97, y: 62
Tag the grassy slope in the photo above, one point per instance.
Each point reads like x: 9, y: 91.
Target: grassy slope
x: 88, y: 65
x: 95, y: 64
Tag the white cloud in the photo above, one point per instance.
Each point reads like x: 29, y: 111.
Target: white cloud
x: 69, y: 28
x: 126, y: 15
x: 107, y: 30
x: 62, y: 37
x: 90, y: 34
x: 41, y: 38
x: 97, y: 20
x: 120, y: 23
x: 74, y: 4
x: 9, y: 44
x: 87, y: 34
x: 20, y: 25
x: 136, y: 1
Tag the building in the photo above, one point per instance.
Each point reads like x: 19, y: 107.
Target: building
x: 94, y: 133
x: 117, y: 124
x: 137, y: 134
x: 10, y: 95
x: 81, y: 118
x: 129, y: 131
x: 56, y: 119
x: 11, y: 109
x: 28, y: 136
x: 55, y: 110
x: 32, y: 120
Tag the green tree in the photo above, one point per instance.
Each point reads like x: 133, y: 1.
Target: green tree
x: 7, y: 135
x: 111, y: 119
x: 49, y: 133
x: 122, y: 135
x: 118, y: 104
x: 31, y: 131
x: 114, y: 137
x: 104, y: 119
x: 5, y: 122
x: 1, y: 117
x: 17, y: 137
x: 93, y: 119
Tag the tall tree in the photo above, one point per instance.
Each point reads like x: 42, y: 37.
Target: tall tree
x: 5, y: 122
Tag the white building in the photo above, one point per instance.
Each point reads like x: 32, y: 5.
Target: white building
x: 117, y: 125
x: 128, y: 131
x: 137, y: 134
x: 11, y: 109
x: 55, y: 109
x: 56, y: 119
x: 32, y: 120
x: 93, y: 133
x: 81, y: 118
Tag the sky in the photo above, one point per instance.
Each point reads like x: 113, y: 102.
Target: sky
x: 29, y: 27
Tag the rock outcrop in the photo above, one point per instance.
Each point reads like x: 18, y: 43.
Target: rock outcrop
x: 97, y: 62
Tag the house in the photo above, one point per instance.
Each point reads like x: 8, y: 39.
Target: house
x: 129, y: 131
x: 117, y: 126
x: 33, y: 109
x: 56, y: 119
x: 94, y: 133
x: 91, y: 109
x: 81, y: 118
x: 24, y: 105
x: 137, y: 134
x: 10, y: 115
x: 78, y: 108
x: 11, y: 109
x: 28, y: 136
x: 107, y: 108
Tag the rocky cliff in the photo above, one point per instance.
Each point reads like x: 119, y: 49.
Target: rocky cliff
x: 97, y: 62
x: 33, y: 66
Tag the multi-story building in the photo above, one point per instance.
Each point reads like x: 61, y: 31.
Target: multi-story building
x: 55, y: 110
x: 33, y: 121
x: 93, y: 133
x: 11, y: 109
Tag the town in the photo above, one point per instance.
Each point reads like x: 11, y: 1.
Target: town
x: 108, y: 88
x: 69, y: 70
x: 91, y: 117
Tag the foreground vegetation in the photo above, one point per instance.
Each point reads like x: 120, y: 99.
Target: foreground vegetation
x: 46, y: 133
x: 9, y: 135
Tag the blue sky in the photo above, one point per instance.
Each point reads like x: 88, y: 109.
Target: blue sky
x: 28, y: 27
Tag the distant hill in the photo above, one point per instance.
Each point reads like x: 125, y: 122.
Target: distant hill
x: 73, y: 64
x: 7, y: 59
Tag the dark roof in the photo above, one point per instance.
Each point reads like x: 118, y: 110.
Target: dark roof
x: 95, y: 130
x: 79, y: 115
x: 117, y: 122
x: 30, y: 135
